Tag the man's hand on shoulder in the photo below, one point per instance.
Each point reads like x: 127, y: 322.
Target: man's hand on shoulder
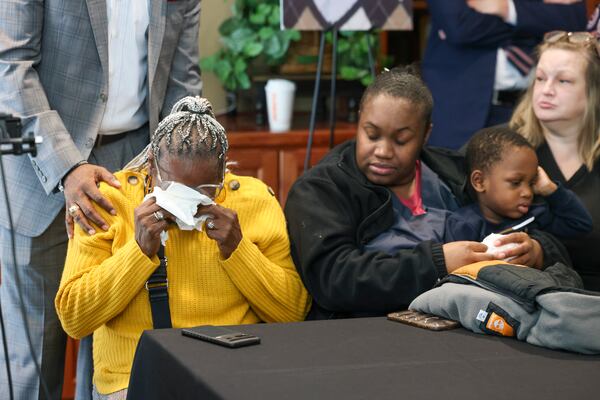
x: 81, y: 192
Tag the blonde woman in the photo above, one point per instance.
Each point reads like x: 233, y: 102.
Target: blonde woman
x: 560, y: 116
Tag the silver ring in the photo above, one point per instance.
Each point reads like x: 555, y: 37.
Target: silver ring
x: 73, y: 209
x: 210, y: 224
x: 158, y: 215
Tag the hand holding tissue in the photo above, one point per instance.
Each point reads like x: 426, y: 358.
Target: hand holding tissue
x: 181, y: 201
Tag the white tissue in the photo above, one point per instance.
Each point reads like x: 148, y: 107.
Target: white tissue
x: 182, y: 202
x: 492, y: 249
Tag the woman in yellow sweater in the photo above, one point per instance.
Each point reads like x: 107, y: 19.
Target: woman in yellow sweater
x: 237, y: 270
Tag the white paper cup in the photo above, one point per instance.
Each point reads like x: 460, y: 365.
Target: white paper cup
x: 280, y: 104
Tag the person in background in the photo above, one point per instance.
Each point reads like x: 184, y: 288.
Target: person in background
x: 92, y: 79
x: 560, y: 117
x: 477, y: 61
x: 503, y: 172
x: 366, y: 223
x: 233, y: 268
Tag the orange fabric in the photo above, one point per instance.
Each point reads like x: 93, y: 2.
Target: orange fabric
x: 499, y: 325
x: 471, y: 270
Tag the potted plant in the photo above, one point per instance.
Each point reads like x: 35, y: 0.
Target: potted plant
x: 251, y: 32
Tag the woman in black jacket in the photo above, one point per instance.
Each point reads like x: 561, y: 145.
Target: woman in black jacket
x: 366, y: 223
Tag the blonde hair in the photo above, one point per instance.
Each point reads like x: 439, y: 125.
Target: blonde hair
x: 525, y: 122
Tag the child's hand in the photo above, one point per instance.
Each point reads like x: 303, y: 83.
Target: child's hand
x: 543, y: 185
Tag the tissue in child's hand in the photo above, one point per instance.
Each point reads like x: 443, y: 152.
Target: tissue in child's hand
x: 492, y: 249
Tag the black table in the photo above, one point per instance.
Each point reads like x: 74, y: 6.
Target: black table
x: 367, y: 358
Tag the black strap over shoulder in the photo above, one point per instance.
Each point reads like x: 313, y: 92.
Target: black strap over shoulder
x: 157, y: 286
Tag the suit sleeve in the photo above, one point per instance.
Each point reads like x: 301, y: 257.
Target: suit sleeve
x: 338, y: 273
x: 464, y: 26
x: 22, y: 94
x: 184, y: 78
x: 536, y: 17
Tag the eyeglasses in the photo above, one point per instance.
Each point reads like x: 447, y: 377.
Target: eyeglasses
x: 211, y: 190
x: 582, y: 38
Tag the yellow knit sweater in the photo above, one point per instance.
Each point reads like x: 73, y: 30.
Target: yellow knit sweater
x: 102, y: 287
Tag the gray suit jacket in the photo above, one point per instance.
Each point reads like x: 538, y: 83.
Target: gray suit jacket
x: 54, y: 76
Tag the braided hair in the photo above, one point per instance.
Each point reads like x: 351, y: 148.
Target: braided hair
x: 189, y: 131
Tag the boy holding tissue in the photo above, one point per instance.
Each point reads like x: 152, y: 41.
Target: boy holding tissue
x: 504, y: 175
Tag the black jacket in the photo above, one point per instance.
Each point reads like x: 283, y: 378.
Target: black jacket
x: 333, y: 210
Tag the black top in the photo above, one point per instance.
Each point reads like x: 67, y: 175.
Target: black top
x: 584, y: 251
x: 333, y: 211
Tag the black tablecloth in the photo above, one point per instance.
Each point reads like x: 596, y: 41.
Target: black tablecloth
x: 367, y: 358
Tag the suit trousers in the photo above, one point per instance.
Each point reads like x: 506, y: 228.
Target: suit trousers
x: 40, y: 262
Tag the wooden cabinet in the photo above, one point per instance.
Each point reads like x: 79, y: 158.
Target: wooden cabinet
x: 278, y: 158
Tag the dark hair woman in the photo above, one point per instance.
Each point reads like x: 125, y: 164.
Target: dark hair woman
x: 366, y: 224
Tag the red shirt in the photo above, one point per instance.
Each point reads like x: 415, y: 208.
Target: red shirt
x: 415, y: 202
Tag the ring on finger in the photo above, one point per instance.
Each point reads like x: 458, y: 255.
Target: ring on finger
x: 158, y: 215
x: 210, y: 224
x: 72, y: 210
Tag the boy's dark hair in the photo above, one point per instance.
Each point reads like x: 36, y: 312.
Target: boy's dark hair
x: 402, y: 82
x: 488, y: 146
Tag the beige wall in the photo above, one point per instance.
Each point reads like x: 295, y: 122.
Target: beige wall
x: 213, y: 13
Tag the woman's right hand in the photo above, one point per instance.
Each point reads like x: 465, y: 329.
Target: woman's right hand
x: 462, y: 253
x: 150, y: 221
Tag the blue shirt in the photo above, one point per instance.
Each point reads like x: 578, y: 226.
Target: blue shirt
x: 562, y: 214
x: 409, y: 230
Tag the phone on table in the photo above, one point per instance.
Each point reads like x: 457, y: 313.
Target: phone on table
x: 222, y: 336
x: 423, y: 320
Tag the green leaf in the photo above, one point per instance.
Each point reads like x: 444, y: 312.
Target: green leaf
x: 293, y: 34
x: 257, y: 19
x: 274, y: 17
x: 252, y: 49
x: 243, y: 34
x: 272, y: 46
x: 234, y: 46
x: 228, y: 26
x: 342, y: 46
x: 209, y: 63
x: 264, y: 9
x: 244, y: 80
x: 366, y: 80
x: 266, y: 32
x: 351, y: 73
x: 223, y: 70
x: 239, y: 66
x: 230, y: 83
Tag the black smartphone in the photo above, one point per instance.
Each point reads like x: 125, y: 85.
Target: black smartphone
x: 222, y: 336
